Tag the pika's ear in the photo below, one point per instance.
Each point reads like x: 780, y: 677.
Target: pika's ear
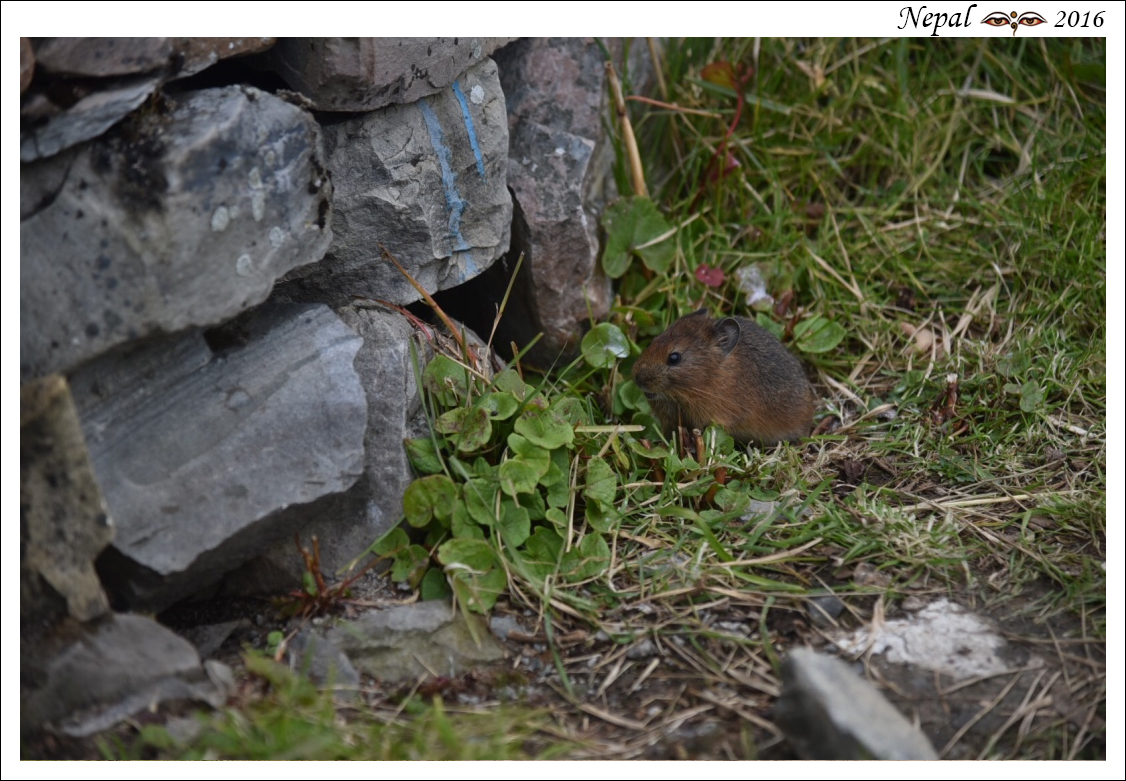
x: 698, y: 312
x: 727, y: 334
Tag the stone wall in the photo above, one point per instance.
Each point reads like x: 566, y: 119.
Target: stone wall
x: 202, y: 225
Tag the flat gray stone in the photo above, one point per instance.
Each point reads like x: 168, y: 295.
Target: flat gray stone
x: 171, y: 220
x: 426, y: 180
x: 828, y: 712
x: 101, y: 57
x: 412, y: 640
x: 91, y: 116
x: 63, y: 520
x: 125, y: 665
x: 209, y: 638
x: 363, y: 74
x: 205, y: 458
x: 311, y: 655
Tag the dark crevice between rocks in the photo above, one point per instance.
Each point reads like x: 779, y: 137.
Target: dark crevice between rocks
x: 476, y: 302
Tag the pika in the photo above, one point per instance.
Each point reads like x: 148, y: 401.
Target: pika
x: 731, y: 372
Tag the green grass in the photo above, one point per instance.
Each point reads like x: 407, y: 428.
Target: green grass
x: 293, y: 720
x: 942, y: 203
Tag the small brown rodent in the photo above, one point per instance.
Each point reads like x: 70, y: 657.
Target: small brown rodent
x: 731, y: 372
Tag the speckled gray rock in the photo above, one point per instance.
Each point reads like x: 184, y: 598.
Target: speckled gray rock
x: 173, y: 219
x: 426, y: 180
x: 207, y: 457
x: 412, y: 640
x: 122, y: 666
x: 828, y: 712
x: 363, y: 74
x: 63, y: 520
x: 558, y: 166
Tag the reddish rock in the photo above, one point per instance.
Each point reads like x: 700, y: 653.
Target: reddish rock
x: 557, y: 164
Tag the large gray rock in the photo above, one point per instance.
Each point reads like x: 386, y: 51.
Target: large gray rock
x: 828, y: 712
x: 205, y: 458
x: 176, y: 218
x: 559, y: 160
x: 63, y: 520
x: 106, y: 674
x: 426, y: 180
x: 347, y: 524
x: 363, y: 74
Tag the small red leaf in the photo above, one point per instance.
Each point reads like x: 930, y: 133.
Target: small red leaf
x: 712, y: 277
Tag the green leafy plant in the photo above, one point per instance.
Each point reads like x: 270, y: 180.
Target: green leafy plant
x: 501, y: 484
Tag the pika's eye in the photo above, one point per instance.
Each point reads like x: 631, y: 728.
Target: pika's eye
x: 674, y: 359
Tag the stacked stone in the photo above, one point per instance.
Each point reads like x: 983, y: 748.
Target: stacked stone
x: 199, y: 258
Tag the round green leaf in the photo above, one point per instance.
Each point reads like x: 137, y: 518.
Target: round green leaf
x: 1031, y: 396
x: 535, y: 455
x: 500, y: 406
x: 590, y: 559
x: 446, y: 379
x: 632, y: 397
x: 765, y: 321
x: 410, y: 564
x: 463, y: 525
x: 631, y: 224
x: 427, y: 498
x: 480, y: 501
x: 601, y: 517
x: 472, y: 568
x: 572, y: 410
x: 601, y: 482
x: 603, y: 345
x: 470, y: 427
x: 542, y: 552
x: 818, y: 335
x: 423, y: 455
x: 391, y: 543
x: 544, y: 428
x: 519, y: 476
x: 434, y: 585
x: 508, y: 381
x: 515, y: 525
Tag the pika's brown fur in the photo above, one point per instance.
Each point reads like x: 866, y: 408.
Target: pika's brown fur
x: 730, y: 372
